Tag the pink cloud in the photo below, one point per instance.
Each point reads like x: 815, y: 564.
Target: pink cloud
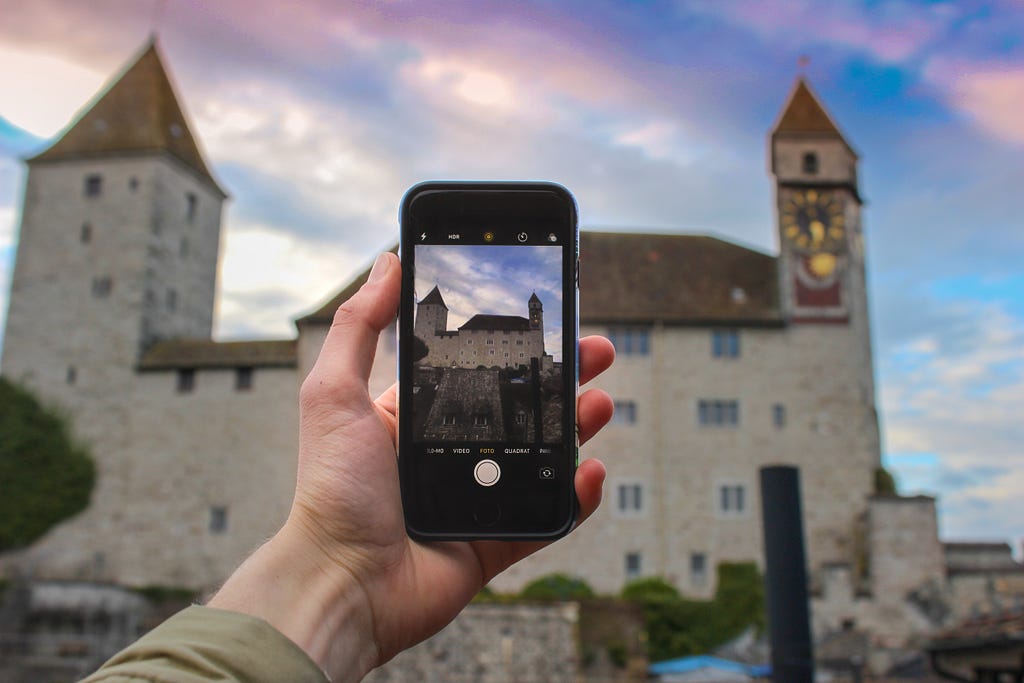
x: 992, y: 95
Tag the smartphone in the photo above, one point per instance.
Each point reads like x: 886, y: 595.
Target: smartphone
x: 488, y: 360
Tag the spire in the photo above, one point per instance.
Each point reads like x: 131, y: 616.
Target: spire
x: 137, y: 112
x: 434, y: 298
x: 804, y: 115
x: 534, y: 299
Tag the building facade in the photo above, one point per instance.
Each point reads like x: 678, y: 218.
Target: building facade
x: 729, y: 359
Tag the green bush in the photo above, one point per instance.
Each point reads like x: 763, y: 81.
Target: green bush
x: 45, y: 477
x: 557, y: 587
x: 885, y: 483
x: 677, y: 627
x: 650, y: 589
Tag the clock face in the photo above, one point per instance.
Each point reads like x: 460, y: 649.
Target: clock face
x: 813, y: 221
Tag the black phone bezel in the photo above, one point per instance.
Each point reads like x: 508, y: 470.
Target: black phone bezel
x: 448, y: 204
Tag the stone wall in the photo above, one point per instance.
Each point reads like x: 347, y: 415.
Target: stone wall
x: 494, y: 644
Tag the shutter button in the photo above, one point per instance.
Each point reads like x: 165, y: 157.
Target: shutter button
x: 487, y: 473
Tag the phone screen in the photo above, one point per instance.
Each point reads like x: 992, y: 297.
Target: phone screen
x: 488, y: 364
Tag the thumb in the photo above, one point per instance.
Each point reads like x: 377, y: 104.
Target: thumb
x: 348, y: 351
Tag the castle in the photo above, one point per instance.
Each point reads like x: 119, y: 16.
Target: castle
x: 728, y: 359
x: 504, y: 341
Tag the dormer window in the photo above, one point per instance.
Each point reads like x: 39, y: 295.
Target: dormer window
x: 810, y: 163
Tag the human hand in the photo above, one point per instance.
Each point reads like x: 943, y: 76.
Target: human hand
x: 342, y: 578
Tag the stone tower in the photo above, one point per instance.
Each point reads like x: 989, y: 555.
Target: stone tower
x: 536, y: 313
x: 823, y: 300
x: 431, y: 315
x: 119, y: 241
x: 818, y: 206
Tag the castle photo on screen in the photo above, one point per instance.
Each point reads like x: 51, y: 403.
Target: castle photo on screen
x: 483, y: 370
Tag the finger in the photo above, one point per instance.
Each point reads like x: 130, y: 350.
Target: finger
x: 349, y: 348
x: 496, y: 556
x: 388, y: 401
x: 593, y: 411
x: 596, y: 355
x: 589, y: 482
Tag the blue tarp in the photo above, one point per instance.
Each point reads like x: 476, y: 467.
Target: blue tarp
x: 683, y: 665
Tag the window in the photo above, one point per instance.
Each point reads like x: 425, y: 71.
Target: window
x: 490, y: 342
x: 186, y: 380
x: 172, y: 299
x: 218, y: 519
x: 133, y: 183
x: 779, y: 415
x: 810, y: 163
x: 479, y: 420
x: 634, y: 565
x: 631, y: 341
x: 698, y: 569
x: 190, y: 211
x: 448, y: 419
x: 72, y: 375
x: 183, y: 247
x: 85, y: 236
x: 630, y: 500
x: 520, y: 418
x: 243, y: 379
x: 93, y: 185
x: 718, y: 413
x: 101, y: 286
x: 625, y: 413
x: 732, y: 499
x: 725, y: 343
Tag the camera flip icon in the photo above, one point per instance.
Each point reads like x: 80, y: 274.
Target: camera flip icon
x: 547, y: 472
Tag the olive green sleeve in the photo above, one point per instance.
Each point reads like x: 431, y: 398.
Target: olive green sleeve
x: 202, y: 644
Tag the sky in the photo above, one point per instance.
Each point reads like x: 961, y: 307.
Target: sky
x: 495, y: 280
x: 316, y: 116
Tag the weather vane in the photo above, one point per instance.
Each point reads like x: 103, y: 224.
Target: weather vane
x: 802, y: 61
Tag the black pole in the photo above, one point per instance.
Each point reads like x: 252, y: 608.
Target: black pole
x: 786, y: 576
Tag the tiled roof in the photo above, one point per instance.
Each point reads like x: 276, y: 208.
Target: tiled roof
x: 982, y: 630
x: 206, y: 353
x: 137, y: 112
x: 675, y: 279
x: 434, y: 297
x: 496, y: 322
x: 804, y: 115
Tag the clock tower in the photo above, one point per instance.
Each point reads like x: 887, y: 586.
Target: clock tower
x: 818, y: 211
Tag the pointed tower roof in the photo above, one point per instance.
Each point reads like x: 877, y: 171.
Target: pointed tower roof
x: 804, y: 116
x: 433, y: 298
x: 534, y: 299
x: 137, y: 112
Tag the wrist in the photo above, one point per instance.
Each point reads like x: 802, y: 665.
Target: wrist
x: 309, y: 600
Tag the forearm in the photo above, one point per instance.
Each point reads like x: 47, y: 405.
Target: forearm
x: 312, y: 602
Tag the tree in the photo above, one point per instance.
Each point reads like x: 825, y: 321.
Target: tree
x: 45, y: 477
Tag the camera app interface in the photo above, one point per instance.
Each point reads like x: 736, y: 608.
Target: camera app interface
x: 488, y: 365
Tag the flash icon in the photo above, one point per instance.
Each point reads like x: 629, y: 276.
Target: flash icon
x: 423, y: 236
